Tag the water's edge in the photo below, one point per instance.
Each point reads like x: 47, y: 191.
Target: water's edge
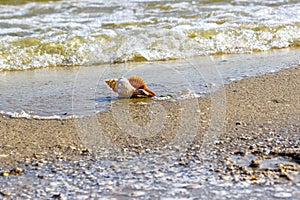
x: 61, y: 93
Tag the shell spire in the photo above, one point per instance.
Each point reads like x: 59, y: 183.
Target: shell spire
x: 112, y: 83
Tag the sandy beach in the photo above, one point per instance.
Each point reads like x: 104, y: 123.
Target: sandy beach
x: 258, y: 140
x: 257, y: 109
x: 224, y: 124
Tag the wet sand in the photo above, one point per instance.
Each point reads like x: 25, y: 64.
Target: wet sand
x: 261, y: 124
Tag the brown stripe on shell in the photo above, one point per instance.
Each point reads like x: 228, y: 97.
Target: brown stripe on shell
x: 111, y: 83
x: 137, y: 82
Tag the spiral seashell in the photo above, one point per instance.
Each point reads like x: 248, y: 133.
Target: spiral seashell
x: 133, y: 87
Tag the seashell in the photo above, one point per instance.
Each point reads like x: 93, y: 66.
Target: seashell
x: 133, y: 87
x: 112, y: 83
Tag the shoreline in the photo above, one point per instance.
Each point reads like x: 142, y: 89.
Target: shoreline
x: 262, y: 119
x: 80, y: 91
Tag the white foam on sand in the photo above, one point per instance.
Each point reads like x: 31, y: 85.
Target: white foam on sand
x: 24, y: 115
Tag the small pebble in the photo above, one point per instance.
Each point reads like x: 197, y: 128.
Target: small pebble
x: 4, y: 193
x: 282, y: 195
x: 255, y: 163
x: 191, y: 186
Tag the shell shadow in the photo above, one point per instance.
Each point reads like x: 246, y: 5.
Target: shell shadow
x: 109, y: 99
x: 105, y: 99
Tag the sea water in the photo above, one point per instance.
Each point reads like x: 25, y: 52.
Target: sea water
x: 55, y: 55
x: 37, y: 34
